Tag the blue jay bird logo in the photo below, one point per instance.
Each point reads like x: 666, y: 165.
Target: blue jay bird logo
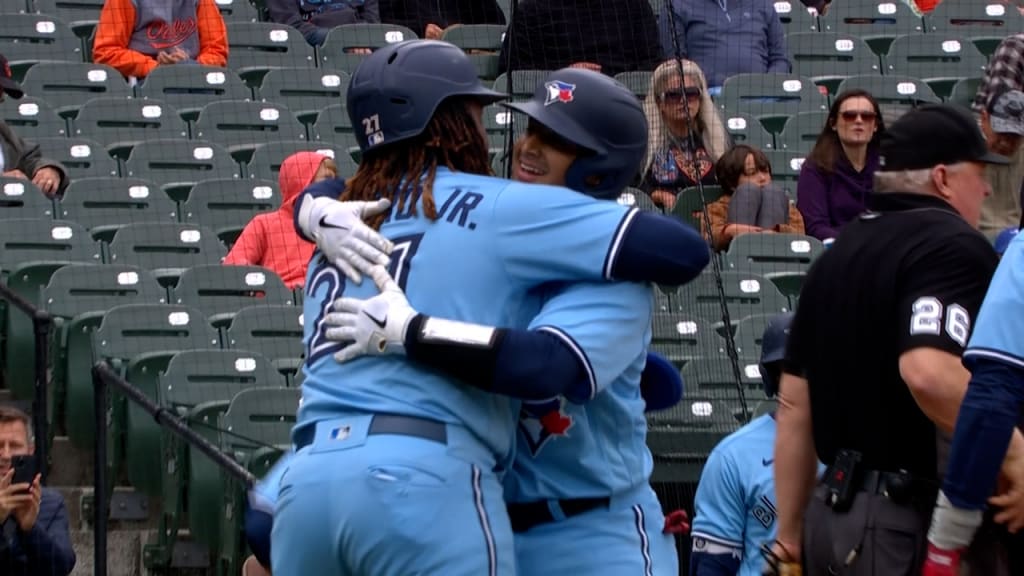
x: 542, y: 421
x: 559, y: 91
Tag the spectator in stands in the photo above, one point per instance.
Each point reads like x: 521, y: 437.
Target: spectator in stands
x: 610, y: 36
x: 136, y: 36
x: 677, y: 101
x: 838, y: 174
x: 430, y: 18
x: 724, y: 39
x: 749, y: 202
x: 314, y: 19
x: 269, y: 240
x: 1005, y: 72
x: 21, y: 159
x: 34, y: 536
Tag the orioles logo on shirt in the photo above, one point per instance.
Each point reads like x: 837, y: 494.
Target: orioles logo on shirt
x: 542, y: 421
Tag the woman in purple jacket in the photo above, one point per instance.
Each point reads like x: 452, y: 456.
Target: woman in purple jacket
x: 838, y: 174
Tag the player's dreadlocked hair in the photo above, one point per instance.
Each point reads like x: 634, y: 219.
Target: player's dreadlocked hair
x: 451, y: 139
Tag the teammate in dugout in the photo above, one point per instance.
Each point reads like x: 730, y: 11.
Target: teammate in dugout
x: 897, y: 293
x: 397, y: 469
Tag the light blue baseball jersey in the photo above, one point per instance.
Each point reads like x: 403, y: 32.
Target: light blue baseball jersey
x: 493, y: 244
x: 594, y: 445
x: 997, y: 332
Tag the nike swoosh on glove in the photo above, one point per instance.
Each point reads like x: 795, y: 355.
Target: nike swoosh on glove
x: 374, y: 326
x: 342, y: 236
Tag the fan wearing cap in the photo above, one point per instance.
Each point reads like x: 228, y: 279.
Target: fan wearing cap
x: 873, y: 364
x: 22, y: 159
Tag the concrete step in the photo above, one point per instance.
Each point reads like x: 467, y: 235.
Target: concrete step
x: 71, y: 466
x: 124, y: 552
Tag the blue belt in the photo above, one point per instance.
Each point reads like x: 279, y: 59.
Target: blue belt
x: 393, y: 424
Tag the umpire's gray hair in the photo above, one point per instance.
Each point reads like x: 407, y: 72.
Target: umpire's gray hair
x: 915, y: 181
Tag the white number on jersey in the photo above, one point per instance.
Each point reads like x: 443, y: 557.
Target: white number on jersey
x: 926, y: 318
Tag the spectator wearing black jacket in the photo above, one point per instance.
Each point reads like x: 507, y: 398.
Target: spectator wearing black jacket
x: 430, y: 18
x: 315, y: 18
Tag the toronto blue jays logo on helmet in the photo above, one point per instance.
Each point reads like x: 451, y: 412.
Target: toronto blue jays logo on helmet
x: 542, y: 421
x: 559, y: 91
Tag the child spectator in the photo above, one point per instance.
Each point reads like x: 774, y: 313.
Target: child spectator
x: 136, y: 36
x: 269, y: 240
x: 749, y: 202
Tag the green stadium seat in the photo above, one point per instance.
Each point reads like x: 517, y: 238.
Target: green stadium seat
x: 498, y: 122
x: 637, y: 198
x: 274, y: 331
x: 689, y: 204
x: 103, y: 205
x: 746, y: 294
x: 242, y: 126
x: 336, y: 51
x: 334, y: 126
x: 256, y: 47
x: 188, y: 88
x: 482, y: 42
x: 638, y: 81
x: 305, y: 91
x: 939, y: 59
x: 237, y: 11
x: 894, y: 94
x: 877, y: 22
x: 681, y: 437
x: 828, y: 57
x: 81, y: 15
x: 801, y: 131
x: 523, y: 83
x: 964, y: 91
x: 226, y: 205
x: 748, y: 340
x: 715, y: 378
x: 165, y: 248
x: 266, y: 160
x: 28, y: 39
x: 984, y: 22
x: 745, y: 129
x: 177, y: 164
x: 68, y: 85
x: 786, y: 166
x: 33, y: 118
x: 298, y: 378
x: 22, y: 199
x: 771, y: 97
x: 81, y: 157
x: 796, y: 17
x: 662, y: 302
x: 682, y: 337
x: 784, y: 259
x: 28, y: 240
x: 220, y: 291
x: 121, y: 123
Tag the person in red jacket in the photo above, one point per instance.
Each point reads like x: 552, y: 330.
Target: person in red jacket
x: 269, y: 240
x: 136, y: 36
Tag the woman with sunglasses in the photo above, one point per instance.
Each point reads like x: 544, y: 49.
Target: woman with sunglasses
x: 677, y: 102
x: 838, y: 174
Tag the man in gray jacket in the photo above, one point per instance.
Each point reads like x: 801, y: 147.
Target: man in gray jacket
x: 21, y: 159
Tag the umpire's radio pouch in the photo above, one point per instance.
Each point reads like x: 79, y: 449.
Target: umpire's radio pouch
x: 842, y: 480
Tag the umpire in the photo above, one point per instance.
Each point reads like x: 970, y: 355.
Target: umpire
x: 873, y: 366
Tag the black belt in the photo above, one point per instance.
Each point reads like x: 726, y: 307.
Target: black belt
x: 393, y: 424
x: 526, y: 515
x: 900, y: 488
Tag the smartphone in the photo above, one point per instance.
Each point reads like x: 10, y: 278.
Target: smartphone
x: 25, y: 469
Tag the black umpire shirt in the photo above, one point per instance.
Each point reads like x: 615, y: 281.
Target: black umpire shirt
x: 908, y: 273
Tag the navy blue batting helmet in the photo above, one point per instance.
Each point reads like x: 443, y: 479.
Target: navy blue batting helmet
x: 395, y: 91
x: 773, y: 351
x: 599, y: 115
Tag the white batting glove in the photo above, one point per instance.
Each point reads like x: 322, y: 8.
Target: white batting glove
x: 374, y: 326
x: 343, y: 237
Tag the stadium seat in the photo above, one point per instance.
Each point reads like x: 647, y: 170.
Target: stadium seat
x: 28, y: 39
x: 226, y: 205
x: 796, y: 17
x: 103, y: 205
x: 774, y: 256
x: 341, y: 40
x: 165, y: 248
x: 964, y: 91
x: 22, y: 199
x: 745, y: 129
x: 498, y: 122
x: 771, y: 97
x: 894, y: 94
x: 636, y: 198
x: 939, y: 59
x: 274, y: 331
x: 877, y: 22
x: 682, y: 337
x: 520, y: 84
x: 237, y: 11
x: 482, y: 42
x: 334, y: 126
x: 33, y: 118
x: 241, y: 126
x: 984, y: 22
x: 121, y: 123
x: 749, y: 338
x: 801, y: 131
x: 745, y: 294
x: 689, y: 204
x: 305, y: 91
x: 26, y: 240
x: 266, y: 161
x: 638, y: 81
x: 81, y: 15
x: 67, y: 86
x: 188, y: 88
x: 178, y: 164
x: 256, y: 47
x: 81, y: 157
x: 220, y: 291
x: 681, y: 437
x: 786, y: 166
x: 827, y: 58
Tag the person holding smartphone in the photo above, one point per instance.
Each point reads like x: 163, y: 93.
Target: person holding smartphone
x: 34, y: 535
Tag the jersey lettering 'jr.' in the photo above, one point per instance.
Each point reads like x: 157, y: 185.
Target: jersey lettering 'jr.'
x: 494, y: 242
x: 997, y: 333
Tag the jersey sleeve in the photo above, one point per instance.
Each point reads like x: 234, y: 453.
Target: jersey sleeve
x: 997, y: 334
x: 549, y: 234
x: 719, y: 509
x: 941, y: 293
x: 605, y: 326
